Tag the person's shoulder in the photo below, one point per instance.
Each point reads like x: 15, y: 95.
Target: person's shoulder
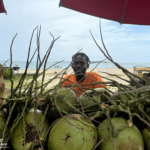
x: 68, y: 75
x: 93, y: 73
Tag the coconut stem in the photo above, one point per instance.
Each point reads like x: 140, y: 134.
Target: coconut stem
x: 109, y: 127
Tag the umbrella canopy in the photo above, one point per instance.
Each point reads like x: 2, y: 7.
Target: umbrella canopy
x: 2, y: 8
x: 122, y: 11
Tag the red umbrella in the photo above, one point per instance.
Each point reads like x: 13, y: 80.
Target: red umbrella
x: 2, y: 8
x: 122, y: 11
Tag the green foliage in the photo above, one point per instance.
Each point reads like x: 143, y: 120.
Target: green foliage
x: 7, y: 73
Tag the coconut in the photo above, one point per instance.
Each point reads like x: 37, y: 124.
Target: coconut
x: 35, y: 129
x: 146, y: 137
x: 90, y: 99
x: 61, y: 96
x: 128, y: 138
x: 72, y: 132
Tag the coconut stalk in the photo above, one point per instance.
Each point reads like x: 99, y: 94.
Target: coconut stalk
x: 116, y: 102
x: 24, y: 100
x: 128, y: 98
x: 12, y: 100
x: 2, y: 85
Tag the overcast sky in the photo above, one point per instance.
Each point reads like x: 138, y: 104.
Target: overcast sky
x: 125, y: 43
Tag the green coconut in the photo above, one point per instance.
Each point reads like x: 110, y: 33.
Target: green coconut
x: 35, y: 129
x: 61, y: 96
x: 90, y: 100
x: 2, y: 125
x: 129, y: 138
x: 72, y: 132
x: 146, y: 137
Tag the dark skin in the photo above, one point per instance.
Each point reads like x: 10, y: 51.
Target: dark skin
x: 79, y: 68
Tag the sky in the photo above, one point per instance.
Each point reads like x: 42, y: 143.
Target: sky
x: 125, y: 43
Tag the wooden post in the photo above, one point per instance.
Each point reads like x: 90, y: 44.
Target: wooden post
x: 2, y: 85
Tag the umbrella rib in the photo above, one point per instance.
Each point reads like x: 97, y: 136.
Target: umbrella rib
x: 121, y: 21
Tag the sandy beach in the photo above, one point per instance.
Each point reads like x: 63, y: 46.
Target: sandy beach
x: 51, y: 73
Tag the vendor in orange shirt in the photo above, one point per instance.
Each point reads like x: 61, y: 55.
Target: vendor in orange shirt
x: 80, y: 63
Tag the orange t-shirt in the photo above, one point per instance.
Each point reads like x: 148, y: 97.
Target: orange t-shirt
x: 90, y: 78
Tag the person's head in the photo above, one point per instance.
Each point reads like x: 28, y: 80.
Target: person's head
x: 80, y: 63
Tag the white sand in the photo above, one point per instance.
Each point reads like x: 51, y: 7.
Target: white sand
x: 50, y: 74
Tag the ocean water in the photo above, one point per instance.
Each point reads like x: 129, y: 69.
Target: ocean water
x: 22, y: 64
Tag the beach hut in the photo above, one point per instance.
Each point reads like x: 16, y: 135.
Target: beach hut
x: 16, y: 68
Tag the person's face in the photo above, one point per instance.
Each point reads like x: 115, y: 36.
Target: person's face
x: 80, y: 65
